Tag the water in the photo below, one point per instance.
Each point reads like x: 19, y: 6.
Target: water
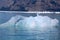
x: 29, y: 28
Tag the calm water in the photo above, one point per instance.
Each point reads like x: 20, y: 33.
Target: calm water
x: 11, y: 29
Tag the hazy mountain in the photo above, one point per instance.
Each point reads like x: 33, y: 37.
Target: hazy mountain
x: 30, y: 5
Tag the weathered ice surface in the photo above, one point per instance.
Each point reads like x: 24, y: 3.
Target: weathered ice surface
x: 30, y: 5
